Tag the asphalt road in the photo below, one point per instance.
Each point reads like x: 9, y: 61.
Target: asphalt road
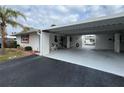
x: 36, y: 71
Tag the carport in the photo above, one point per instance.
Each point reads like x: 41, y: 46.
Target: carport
x: 109, y: 32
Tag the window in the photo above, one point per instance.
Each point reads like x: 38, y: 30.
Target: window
x: 55, y: 39
x: 25, y: 39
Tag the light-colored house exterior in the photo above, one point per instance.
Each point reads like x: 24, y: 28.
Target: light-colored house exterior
x: 65, y: 43
x: 30, y: 38
x: 88, y: 39
x: 108, y: 30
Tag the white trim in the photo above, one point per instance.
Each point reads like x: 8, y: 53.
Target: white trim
x: 117, y: 43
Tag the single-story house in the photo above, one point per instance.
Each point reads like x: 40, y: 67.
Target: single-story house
x: 65, y: 42
x: 109, y: 32
x: 88, y: 40
x: 29, y: 38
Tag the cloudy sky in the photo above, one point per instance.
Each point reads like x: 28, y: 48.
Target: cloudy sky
x: 44, y: 16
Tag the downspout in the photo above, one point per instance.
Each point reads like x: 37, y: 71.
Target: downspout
x: 39, y: 33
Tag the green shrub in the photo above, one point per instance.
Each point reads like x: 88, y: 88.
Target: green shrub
x: 14, y: 44
x: 17, y: 46
x: 28, y: 48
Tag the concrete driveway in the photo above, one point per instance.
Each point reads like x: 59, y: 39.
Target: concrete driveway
x: 39, y: 71
x: 103, y: 60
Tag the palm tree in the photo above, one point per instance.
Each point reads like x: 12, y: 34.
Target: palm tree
x: 8, y: 17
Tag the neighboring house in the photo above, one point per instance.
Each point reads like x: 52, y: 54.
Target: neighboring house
x: 9, y: 39
x: 29, y: 38
x: 109, y: 32
x: 88, y: 39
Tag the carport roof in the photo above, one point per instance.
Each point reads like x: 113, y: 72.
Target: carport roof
x: 105, y: 24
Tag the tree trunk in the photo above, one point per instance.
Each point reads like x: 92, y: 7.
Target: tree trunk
x: 3, y: 40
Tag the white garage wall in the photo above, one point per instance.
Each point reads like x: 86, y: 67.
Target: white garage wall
x: 33, y: 41
x: 76, y: 39
x: 45, y: 43
x: 122, y: 42
x: 103, y: 41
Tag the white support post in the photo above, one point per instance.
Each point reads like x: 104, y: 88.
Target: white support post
x: 44, y: 43
x: 41, y: 43
x: 68, y: 41
x: 117, y: 43
x: 40, y: 35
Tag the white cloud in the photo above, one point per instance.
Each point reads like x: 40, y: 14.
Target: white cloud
x: 44, y: 16
x: 70, y: 18
x: 62, y: 9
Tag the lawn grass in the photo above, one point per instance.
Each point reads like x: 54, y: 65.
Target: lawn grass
x: 11, y: 54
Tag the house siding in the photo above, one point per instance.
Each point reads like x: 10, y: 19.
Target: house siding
x: 33, y: 41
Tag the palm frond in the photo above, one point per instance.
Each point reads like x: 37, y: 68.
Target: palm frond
x: 14, y: 14
x: 8, y: 13
x: 2, y: 13
x: 14, y: 23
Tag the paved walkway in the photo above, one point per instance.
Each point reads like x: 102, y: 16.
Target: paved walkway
x: 37, y: 71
